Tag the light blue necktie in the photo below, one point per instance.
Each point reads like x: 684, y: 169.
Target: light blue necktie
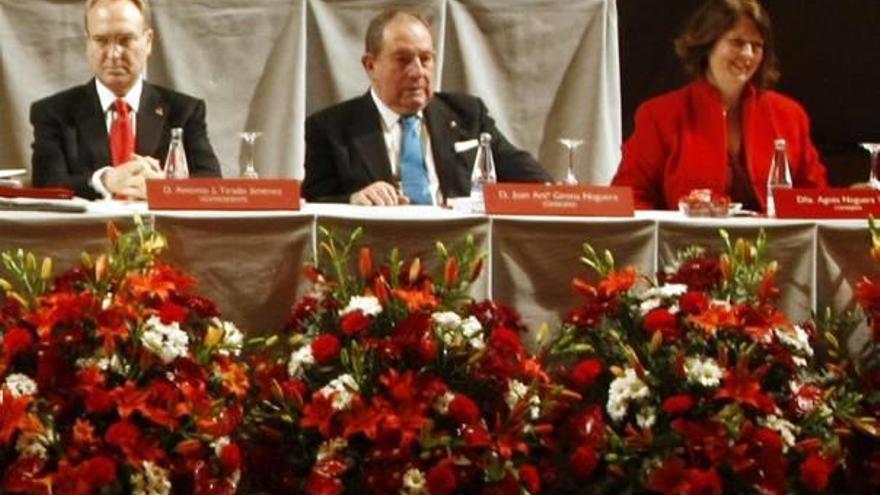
x: 413, y: 173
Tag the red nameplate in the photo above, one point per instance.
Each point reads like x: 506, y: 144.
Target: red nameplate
x: 223, y: 194
x: 827, y: 203
x: 540, y: 199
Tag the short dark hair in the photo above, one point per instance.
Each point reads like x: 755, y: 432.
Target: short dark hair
x: 708, y: 25
x: 376, y: 29
x: 142, y: 5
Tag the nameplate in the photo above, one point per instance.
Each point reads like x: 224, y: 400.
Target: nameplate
x: 827, y: 203
x: 223, y: 194
x: 540, y: 199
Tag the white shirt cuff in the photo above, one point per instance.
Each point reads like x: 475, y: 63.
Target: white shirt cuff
x: 98, y: 185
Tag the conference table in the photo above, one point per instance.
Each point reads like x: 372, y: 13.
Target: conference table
x: 250, y: 263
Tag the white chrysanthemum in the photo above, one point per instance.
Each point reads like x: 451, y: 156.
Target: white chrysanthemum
x: 168, y: 342
x: 517, y: 392
x: 368, y: 305
x: 787, y: 430
x: 649, y: 304
x: 35, y: 444
x: 342, y: 389
x: 414, y: 482
x: 441, y: 405
x: 233, y: 339
x: 797, y: 341
x: 473, y: 331
x: 300, y: 359
x: 616, y: 409
x: 646, y: 417
x: 446, y: 319
x: 330, y: 447
x: 704, y: 371
x: 623, y: 390
x: 19, y: 384
x: 153, y: 480
x: 665, y: 291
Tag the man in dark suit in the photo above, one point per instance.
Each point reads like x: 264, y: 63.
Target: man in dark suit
x: 105, y: 137
x: 355, y: 150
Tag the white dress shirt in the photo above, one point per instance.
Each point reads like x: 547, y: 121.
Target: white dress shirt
x: 108, y: 101
x: 392, y: 132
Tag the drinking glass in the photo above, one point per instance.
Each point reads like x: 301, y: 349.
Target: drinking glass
x: 874, y: 174
x: 571, y: 145
x: 249, y: 149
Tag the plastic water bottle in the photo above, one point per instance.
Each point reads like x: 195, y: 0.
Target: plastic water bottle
x: 483, y: 172
x: 780, y: 175
x: 175, y: 162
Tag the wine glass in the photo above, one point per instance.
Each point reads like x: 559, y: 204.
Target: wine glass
x: 248, y: 150
x: 571, y: 144
x: 874, y: 174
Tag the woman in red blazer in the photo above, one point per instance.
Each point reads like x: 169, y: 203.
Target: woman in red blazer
x: 717, y: 132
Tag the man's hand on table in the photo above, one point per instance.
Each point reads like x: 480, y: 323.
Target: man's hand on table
x: 379, y: 193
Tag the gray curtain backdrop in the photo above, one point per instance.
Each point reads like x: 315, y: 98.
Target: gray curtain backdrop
x: 546, y: 68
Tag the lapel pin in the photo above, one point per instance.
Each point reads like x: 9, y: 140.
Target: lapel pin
x: 160, y: 111
x: 453, y: 124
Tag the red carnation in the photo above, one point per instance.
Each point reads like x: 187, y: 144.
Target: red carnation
x: 661, y: 320
x: 98, y: 471
x: 124, y: 434
x: 693, y: 303
x: 354, y: 322
x: 171, y: 313
x: 441, y: 479
x: 464, y: 410
x: 704, y: 482
x: 323, y: 485
x: 325, y: 348
x: 678, y: 404
x: 529, y: 477
x: 506, y: 340
x: 16, y: 340
x: 816, y: 471
x: 583, y: 461
x: 230, y: 457
x: 584, y: 373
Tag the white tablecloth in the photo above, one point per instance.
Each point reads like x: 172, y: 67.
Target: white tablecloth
x: 250, y: 263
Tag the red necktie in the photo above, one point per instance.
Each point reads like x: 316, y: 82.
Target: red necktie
x: 121, y: 135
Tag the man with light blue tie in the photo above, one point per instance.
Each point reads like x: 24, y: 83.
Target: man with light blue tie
x: 400, y: 143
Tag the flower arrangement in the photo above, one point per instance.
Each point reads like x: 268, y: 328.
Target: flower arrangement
x: 698, y: 384
x: 393, y: 380
x: 116, y: 378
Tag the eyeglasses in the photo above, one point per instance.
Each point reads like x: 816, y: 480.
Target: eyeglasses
x: 124, y: 41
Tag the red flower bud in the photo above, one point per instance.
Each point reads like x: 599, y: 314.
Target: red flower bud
x: 584, y: 373
x: 325, y: 348
x: 441, y: 479
x: 464, y: 410
x: 529, y: 477
x: 365, y: 262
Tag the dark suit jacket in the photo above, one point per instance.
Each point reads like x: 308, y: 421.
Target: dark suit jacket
x: 345, y: 149
x: 71, y: 139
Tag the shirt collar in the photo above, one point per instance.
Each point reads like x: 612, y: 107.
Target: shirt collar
x: 389, y: 117
x: 133, y: 97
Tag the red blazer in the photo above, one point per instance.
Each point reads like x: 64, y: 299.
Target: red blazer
x: 680, y: 143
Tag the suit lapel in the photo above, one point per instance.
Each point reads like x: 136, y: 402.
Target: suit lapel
x: 151, y: 118
x: 93, y: 126
x: 367, y: 138
x: 452, y: 170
